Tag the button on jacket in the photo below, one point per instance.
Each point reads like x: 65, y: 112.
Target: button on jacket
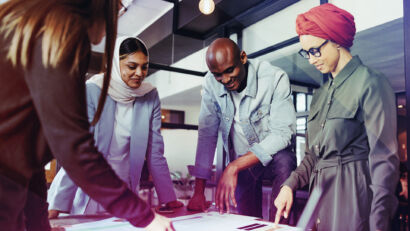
x: 267, y: 116
x: 351, y: 150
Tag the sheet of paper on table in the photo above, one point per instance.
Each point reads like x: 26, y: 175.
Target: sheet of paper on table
x: 201, y: 221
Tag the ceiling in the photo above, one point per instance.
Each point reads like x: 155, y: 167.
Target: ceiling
x: 165, y: 32
x: 174, y: 34
x: 185, y: 30
x: 139, y: 16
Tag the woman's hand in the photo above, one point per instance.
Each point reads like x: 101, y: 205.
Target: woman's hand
x: 283, y: 203
x: 160, y: 223
x: 52, y: 213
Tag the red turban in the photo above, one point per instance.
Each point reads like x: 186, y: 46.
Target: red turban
x: 328, y: 22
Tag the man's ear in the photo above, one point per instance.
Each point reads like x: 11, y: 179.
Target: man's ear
x: 243, y: 57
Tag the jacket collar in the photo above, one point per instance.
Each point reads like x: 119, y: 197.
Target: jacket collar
x: 347, y: 71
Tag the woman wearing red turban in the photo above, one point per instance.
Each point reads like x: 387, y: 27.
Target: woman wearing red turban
x: 351, y: 148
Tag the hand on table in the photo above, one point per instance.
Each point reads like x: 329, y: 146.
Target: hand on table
x: 52, y: 213
x: 160, y: 223
x: 226, y: 189
x: 58, y: 228
x: 198, y: 203
x: 174, y: 204
x: 169, y: 207
x: 283, y: 203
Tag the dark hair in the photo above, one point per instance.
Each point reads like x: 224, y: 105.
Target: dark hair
x: 111, y: 17
x: 132, y: 45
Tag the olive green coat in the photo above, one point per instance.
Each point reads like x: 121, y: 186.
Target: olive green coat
x: 352, y: 147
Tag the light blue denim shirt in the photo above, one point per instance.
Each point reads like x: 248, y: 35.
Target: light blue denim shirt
x: 266, y: 112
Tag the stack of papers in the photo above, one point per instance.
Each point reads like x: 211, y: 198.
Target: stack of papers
x: 197, y: 222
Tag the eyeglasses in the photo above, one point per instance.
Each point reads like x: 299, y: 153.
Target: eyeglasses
x: 122, y: 10
x: 315, y: 51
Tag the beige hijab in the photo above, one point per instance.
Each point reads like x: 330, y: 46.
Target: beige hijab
x: 118, y: 89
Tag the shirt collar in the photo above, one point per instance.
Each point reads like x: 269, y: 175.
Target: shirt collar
x: 347, y: 71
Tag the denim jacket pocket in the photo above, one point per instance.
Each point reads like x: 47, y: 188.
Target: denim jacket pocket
x: 260, y: 113
x: 260, y: 120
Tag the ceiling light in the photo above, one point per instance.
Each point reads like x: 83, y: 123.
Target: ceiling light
x: 206, y: 6
x: 400, y: 106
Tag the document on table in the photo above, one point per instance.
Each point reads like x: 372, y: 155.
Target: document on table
x: 224, y: 222
x: 109, y: 224
x: 197, y: 222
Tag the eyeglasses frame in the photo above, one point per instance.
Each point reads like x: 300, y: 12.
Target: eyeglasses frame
x: 315, y: 51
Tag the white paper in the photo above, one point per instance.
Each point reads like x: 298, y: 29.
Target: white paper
x: 198, y: 222
x: 109, y: 224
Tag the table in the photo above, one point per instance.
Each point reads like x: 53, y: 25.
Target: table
x: 183, y: 220
x: 64, y: 220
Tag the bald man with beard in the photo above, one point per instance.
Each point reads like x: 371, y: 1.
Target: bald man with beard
x: 250, y: 103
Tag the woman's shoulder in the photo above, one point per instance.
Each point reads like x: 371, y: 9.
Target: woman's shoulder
x: 93, y: 89
x: 93, y: 92
x: 371, y: 78
x: 147, y: 101
x: 151, y: 95
x: 92, y: 86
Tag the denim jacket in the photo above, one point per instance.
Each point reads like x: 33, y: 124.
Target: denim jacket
x: 267, y: 116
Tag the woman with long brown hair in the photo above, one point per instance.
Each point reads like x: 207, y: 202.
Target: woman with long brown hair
x: 43, y: 61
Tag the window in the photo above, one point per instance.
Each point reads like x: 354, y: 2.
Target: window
x: 301, y: 125
x: 300, y: 102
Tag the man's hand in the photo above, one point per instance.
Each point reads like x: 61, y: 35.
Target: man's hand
x: 174, y: 204
x: 226, y: 188
x: 283, y: 203
x: 160, y: 223
x: 198, y: 203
